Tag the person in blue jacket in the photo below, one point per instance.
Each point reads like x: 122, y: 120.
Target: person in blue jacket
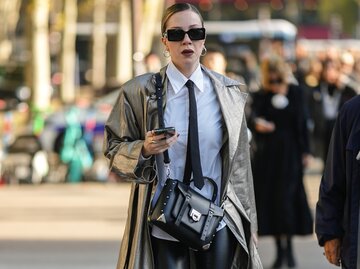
x: 337, y: 210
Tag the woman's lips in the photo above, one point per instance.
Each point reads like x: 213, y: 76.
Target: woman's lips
x: 187, y: 52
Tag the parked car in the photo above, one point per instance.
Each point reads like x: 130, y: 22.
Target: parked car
x: 25, y: 161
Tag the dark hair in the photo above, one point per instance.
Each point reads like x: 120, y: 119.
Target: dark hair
x: 215, y: 48
x: 175, y: 9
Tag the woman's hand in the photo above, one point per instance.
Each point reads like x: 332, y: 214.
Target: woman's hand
x: 307, y: 159
x: 264, y: 126
x: 155, y: 144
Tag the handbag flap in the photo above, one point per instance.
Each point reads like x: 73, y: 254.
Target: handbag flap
x: 197, y: 201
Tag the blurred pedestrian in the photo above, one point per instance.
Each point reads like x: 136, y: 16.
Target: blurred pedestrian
x: 152, y: 62
x: 136, y: 153
x: 74, y: 151
x: 355, y: 76
x: 215, y: 59
x: 337, y: 210
x: 280, y: 154
x: 324, y: 101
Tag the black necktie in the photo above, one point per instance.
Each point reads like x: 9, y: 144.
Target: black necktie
x: 193, y: 152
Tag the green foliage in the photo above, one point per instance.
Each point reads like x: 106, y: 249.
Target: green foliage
x: 347, y: 10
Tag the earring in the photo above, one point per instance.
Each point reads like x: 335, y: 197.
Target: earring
x: 204, y: 51
x: 166, y: 53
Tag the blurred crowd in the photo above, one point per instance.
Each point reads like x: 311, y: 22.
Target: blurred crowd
x: 292, y: 108
x: 324, y: 80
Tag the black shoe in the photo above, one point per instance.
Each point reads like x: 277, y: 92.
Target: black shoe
x: 279, y: 254
x: 277, y: 264
x: 289, y: 254
x: 291, y: 261
x: 279, y: 260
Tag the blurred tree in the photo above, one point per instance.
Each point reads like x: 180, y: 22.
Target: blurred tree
x: 346, y: 10
x: 68, y: 65
x: 124, y: 61
x: 39, y: 12
x: 99, y: 45
x: 150, y: 26
x: 9, y: 12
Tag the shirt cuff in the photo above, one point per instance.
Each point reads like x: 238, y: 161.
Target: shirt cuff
x: 142, y: 159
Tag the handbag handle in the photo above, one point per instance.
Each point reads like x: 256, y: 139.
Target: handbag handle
x: 215, y: 188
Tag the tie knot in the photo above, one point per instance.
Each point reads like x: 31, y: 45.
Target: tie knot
x: 189, y: 84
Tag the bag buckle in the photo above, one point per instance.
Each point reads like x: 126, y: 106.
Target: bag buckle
x: 195, y: 215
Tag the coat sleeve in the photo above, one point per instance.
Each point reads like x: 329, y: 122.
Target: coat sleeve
x: 329, y: 208
x: 124, y: 137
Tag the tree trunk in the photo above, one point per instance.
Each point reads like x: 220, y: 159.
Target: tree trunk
x: 150, y: 26
x: 99, y: 45
x: 68, y: 65
x: 41, y: 55
x: 124, y: 63
x: 9, y: 12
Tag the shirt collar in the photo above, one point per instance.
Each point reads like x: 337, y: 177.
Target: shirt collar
x: 178, y: 80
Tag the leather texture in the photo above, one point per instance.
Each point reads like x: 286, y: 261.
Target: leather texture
x: 186, y: 215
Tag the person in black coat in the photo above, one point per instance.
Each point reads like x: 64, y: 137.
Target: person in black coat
x: 337, y: 210
x: 323, y: 101
x: 280, y: 153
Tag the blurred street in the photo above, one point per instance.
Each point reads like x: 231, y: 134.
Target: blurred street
x: 78, y: 226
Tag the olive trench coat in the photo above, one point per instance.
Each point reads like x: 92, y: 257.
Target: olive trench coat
x: 135, y: 113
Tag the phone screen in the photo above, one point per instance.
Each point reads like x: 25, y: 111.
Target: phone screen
x: 169, y: 131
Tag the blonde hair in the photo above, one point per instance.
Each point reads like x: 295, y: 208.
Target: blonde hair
x: 175, y: 9
x: 276, y: 65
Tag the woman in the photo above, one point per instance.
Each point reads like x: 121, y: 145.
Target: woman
x: 132, y: 147
x: 279, y: 130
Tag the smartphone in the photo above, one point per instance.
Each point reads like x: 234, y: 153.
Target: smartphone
x: 169, y: 131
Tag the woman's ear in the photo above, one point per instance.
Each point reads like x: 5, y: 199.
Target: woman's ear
x: 163, y: 40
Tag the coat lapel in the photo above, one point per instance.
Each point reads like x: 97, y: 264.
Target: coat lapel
x: 232, y: 103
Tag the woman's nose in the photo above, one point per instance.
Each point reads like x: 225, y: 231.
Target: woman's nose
x: 187, y: 38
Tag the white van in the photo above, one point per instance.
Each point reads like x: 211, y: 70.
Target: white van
x: 256, y: 35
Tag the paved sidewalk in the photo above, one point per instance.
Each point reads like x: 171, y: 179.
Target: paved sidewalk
x: 97, y: 213
x: 63, y: 212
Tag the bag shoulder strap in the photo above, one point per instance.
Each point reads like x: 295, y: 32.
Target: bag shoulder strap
x: 159, y: 97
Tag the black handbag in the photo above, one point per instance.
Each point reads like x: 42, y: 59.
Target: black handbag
x: 181, y: 211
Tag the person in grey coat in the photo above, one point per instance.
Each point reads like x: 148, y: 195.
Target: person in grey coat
x: 135, y: 153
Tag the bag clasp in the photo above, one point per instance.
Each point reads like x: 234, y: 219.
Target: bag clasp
x: 195, y: 215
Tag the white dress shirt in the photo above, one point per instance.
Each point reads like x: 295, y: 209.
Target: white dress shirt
x: 210, y: 126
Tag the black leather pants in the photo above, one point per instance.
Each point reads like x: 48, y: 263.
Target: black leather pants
x: 173, y: 255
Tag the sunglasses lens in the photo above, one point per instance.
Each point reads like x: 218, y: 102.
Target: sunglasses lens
x: 197, y: 33
x: 179, y: 34
x: 175, y: 34
x: 275, y: 81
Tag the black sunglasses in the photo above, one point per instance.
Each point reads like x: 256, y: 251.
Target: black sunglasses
x: 276, y: 81
x: 179, y: 34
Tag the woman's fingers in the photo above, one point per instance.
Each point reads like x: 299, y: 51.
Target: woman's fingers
x: 155, y: 144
